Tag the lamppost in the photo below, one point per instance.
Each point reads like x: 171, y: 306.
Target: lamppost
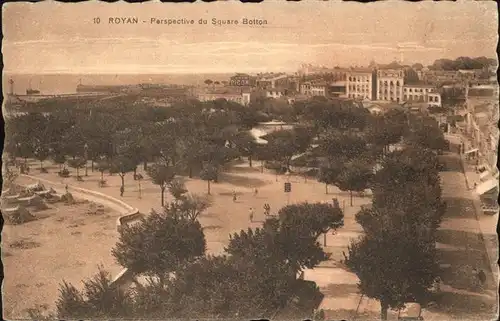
x: 85, y: 155
x: 287, y: 175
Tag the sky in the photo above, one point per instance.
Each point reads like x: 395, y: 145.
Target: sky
x: 50, y: 37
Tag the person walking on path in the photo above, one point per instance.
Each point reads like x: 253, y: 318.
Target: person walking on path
x: 121, y: 191
x: 251, y: 214
x: 234, y: 196
x: 255, y: 192
x: 66, y: 188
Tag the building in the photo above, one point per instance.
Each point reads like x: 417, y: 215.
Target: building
x: 361, y: 84
x: 314, y: 88
x: 242, y: 80
x: 481, y: 124
x: 434, y: 99
x: 272, y: 80
x: 230, y: 94
x: 421, y: 93
x: 276, y: 93
x: 390, y: 84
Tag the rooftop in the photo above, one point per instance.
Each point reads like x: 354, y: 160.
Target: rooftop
x: 419, y: 85
x: 481, y: 92
x: 360, y: 70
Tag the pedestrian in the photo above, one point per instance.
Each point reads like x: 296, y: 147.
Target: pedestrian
x: 122, y: 189
x: 251, y: 213
x: 66, y: 188
x: 234, y: 196
x: 255, y: 192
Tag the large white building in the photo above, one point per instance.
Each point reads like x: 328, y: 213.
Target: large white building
x: 421, y: 93
x: 240, y: 98
x: 360, y: 84
x: 390, y: 84
x: 313, y: 88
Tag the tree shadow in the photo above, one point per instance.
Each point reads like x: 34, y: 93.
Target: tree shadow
x: 212, y: 227
x: 245, y: 169
x: 241, y: 180
x: 460, y: 239
x: 339, y: 290
x: 459, y: 207
x: 344, y: 314
x: 450, y: 162
x: 466, y: 306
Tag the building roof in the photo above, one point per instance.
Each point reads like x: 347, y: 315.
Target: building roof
x: 361, y: 70
x: 481, y: 92
x: 419, y: 85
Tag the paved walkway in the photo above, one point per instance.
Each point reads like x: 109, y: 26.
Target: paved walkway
x: 462, y: 244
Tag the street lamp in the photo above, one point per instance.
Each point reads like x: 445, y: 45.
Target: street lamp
x: 85, y: 155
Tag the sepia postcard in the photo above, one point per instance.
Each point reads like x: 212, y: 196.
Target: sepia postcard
x: 314, y: 160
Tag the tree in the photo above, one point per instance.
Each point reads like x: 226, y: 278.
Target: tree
x: 427, y: 134
x: 160, y: 244
x: 76, y: 163
x: 355, y: 176
x: 276, y: 243
x: 208, y: 82
x: 8, y: 175
x: 99, y: 299
x: 189, y: 149
x: 209, y: 173
x: 383, y: 131
x: 177, y: 189
x: 222, y: 287
x: 408, y: 185
x: 397, y: 275
x: 283, y: 145
x: 246, y: 145
x: 59, y: 159
x: 342, y: 144
x: 192, y: 205
x: 328, y: 174
x: 102, y: 166
x: 122, y: 164
x: 41, y: 153
x: 161, y: 175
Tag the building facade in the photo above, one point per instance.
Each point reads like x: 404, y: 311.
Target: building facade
x: 390, y: 84
x: 481, y: 122
x: 360, y: 84
x: 421, y: 93
x: 240, y: 98
x: 313, y: 88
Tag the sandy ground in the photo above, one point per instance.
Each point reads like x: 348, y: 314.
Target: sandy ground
x: 223, y: 218
x: 63, y: 243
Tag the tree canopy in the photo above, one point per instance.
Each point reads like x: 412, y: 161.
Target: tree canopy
x: 160, y: 244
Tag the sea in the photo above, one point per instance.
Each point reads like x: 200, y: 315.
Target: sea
x: 53, y: 84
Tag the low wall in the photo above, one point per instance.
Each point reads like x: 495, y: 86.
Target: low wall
x: 125, y: 277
